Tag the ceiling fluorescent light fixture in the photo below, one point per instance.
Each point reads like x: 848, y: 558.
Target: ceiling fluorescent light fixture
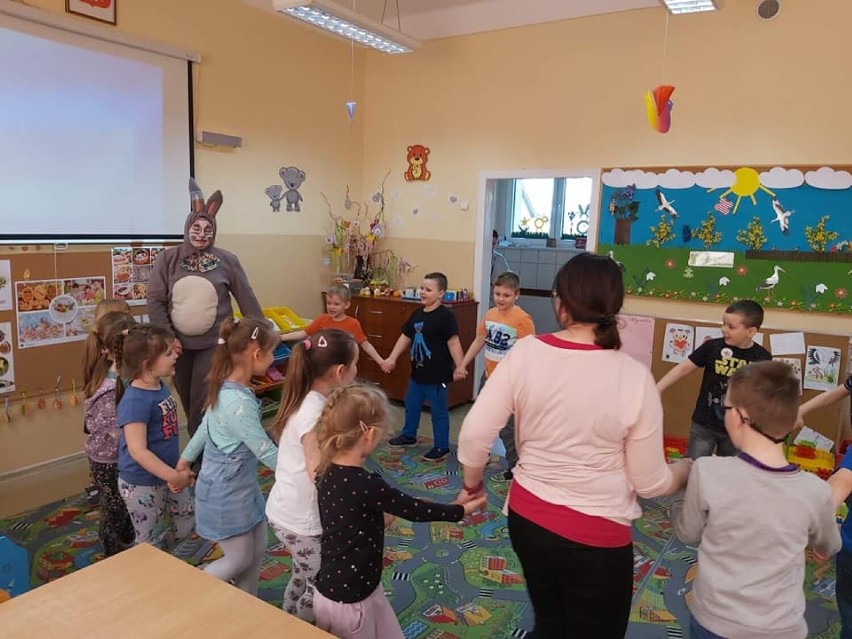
x: 690, y: 6
x: 338, y: 20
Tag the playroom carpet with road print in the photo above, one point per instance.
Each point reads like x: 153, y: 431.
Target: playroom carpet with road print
x: 445, y: 580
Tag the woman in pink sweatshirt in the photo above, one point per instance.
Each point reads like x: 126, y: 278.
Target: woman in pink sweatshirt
x: 590, y: 439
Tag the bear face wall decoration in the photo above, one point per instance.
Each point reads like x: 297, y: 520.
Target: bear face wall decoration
x: 417, y: 158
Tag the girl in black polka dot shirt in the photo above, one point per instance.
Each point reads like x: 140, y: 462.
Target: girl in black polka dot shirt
x: 349, y: 600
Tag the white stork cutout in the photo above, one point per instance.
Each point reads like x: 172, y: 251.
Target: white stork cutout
x: 772, y: 281
x: 782, y: 216
x: 665, y: 205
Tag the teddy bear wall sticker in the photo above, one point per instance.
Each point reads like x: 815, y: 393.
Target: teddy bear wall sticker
x: 417, y: 158
x: 293, y: 177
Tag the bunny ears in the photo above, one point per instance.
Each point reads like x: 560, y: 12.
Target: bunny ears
x: 199, y: 207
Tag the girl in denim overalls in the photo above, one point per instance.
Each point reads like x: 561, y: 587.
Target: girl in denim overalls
x: 229, y: 507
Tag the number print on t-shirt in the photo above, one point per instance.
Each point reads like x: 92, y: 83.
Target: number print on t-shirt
x: 499, y: 338
x: 168, y: 408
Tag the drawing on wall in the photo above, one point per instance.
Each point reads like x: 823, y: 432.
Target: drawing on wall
x: 637, y: 337
x: 796, y: 364
x: 706, y: 333
x: 56, y: 311
x: 677, y: 342
x: 5, y: 285
x: 7, y: 359
x: 822, y: 368
x: 131, y: 269
x: 417, y: 156
x: 777, y: 235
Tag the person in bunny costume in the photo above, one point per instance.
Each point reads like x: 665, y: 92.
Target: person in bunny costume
x: 189, y: 291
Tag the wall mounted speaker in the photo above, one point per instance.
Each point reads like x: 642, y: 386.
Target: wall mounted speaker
x: 768, y: 9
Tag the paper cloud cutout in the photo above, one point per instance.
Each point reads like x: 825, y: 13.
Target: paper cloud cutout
x: 827, y: 178
x: 780, y: 178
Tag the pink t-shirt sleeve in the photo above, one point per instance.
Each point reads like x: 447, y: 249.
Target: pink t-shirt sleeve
x: 645, y: 462
x: 488, y: 415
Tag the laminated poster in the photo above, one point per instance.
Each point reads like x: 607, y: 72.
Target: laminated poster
x: 822, y: 368
x: 677, y: 342
x: 7, y: 361
x: 131, y: 269
x: 57, y: 311
x: 5, y: 285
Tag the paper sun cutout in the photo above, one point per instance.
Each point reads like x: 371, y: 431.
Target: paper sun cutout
x: 659, y: 108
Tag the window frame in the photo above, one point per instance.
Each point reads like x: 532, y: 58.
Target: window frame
x: 557, y: 208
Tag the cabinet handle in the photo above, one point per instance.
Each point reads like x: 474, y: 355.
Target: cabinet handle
x: 376, y: 312
x: 357, y: 308
x: 371, y: 335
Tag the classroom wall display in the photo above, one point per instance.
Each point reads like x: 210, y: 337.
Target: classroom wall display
x: 417, y: 157
x: 7, y: 359
x: 131, y: 269
x: 5, y: 285
x: 637, y: 337
x: 796, y: 364
x: 779, y: 235
x: 678, y: 342
x: 57, y: 311
x: 822, y: 368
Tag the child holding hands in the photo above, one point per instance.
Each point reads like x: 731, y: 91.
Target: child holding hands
x: 148, y: 446
x: 229, y: 507
x: 432, y: 336
x: 349, y: 600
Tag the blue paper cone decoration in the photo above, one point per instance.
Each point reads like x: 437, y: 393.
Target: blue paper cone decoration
x: 350, y: 109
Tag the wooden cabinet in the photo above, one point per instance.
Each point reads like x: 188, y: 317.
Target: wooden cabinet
x: 382, y: 319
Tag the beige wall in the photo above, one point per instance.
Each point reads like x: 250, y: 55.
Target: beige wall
x: 560, y: 95
x: 569, y: 94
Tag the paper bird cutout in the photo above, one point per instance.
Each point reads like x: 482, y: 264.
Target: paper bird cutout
x: 659, y: 107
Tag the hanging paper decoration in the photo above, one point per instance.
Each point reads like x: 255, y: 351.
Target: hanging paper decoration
x: 659, y: 107
x: 418, y: 155
x: 350, y: 109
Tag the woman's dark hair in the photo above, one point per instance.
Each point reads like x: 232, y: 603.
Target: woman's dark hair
x: 235, y: 336
x: 136, y: 350
x: 590, y: 289
x: 310, y: 360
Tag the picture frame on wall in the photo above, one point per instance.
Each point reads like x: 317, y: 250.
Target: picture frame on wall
x: 101, y: 10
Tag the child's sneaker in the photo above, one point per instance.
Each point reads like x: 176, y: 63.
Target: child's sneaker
x: 93, y: 495
x: 402, y: 440
x: 502, y: 478
x: 436, y: 454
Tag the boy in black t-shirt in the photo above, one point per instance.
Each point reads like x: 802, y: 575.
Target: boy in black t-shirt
x: 719, y: 358
x: 432, y: 336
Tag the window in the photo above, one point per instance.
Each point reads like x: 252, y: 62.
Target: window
x: 550, y: 208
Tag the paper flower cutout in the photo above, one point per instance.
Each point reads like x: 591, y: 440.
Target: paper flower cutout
x: 724, y: 281
x: 659, y: 108
x: 820, y: 288
x: 649, y: 276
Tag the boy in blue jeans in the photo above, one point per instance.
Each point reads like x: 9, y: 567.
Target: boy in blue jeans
x: 432, y: 336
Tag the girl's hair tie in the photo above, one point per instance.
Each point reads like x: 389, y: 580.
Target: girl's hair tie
x: 125, y: 332
x: 322, y: 342
x: 307, y: 344
x: 236, y: 320
x: 221, y: 341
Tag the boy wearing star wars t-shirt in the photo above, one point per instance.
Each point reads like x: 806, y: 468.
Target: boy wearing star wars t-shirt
x: 719, y: 358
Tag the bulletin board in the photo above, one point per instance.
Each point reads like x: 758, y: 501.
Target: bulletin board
x: 679, y: 399
x: 43, y: 348
x: 779, y: 235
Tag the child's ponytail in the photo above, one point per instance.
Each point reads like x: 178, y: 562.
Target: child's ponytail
x: 310, y: 360
x: 235, y: 335
x: 98, y: 350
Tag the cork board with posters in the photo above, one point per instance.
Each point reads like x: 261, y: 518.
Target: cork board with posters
x: 54, y: 293
x: 679, y: 399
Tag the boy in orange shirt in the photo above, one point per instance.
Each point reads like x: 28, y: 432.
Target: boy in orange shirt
x: 503, y: 325
x: 338, y: 298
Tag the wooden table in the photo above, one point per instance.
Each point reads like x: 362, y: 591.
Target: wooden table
x: 144, y: 592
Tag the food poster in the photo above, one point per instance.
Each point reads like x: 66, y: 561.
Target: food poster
x: 7, y: 361
x: 131, y: 268
x: 57, y: 311
x: 822, y: 368
x: 5, y: 285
